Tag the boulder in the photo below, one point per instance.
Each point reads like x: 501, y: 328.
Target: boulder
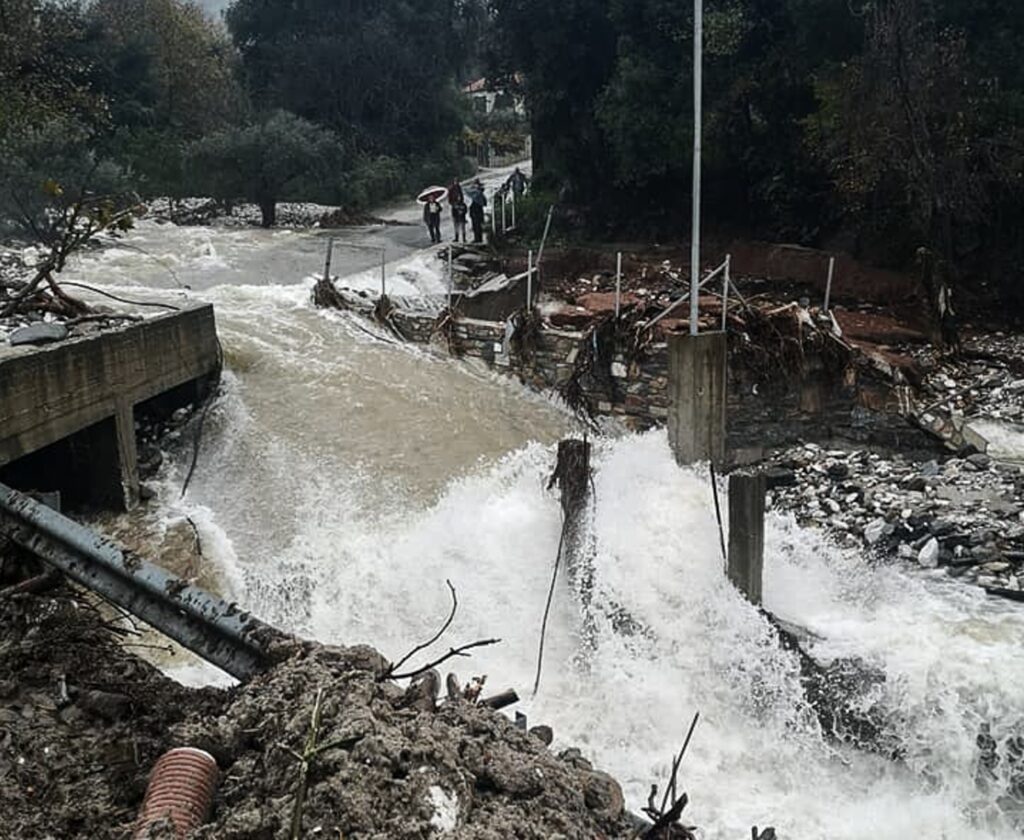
x: 40, y: 333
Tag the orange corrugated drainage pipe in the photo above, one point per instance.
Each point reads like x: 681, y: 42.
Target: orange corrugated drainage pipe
x: 180, y: 790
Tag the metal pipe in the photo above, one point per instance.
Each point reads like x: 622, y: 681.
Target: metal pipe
x: 529, y: 279
x: 698, y: 59
x: 686, y: 296
x: 828, y: 283
x: 618, y: 283
x: 543, y: 241
x: 451, y: 278
x: 216, y: 630
x: 725, y: 291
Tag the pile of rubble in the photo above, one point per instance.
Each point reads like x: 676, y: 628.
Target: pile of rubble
x: 965, y: 515
x: 82, y: 722
x: 987, y: 380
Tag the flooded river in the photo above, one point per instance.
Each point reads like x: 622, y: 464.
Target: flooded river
x: 343, y: 479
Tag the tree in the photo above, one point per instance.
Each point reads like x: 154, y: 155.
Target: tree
x: 379, y: 73
x: 262, y: 162
x: 56, y: 192
x: 923, y: 133
x: 564, y: 53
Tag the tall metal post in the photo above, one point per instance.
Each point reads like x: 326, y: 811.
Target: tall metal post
x: 828, y: 283
x: 513, y: 209
x: 529, y: 279
x: 725, y: 291
x: 698, y: 57
x: 504, y: 206
x: 618, y: 283
x: 451, y: 278
x: 383, y: 272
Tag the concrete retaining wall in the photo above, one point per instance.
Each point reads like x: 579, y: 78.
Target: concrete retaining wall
x: 91, y: 385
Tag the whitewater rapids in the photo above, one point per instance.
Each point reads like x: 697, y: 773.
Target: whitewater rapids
x: 343, y: 479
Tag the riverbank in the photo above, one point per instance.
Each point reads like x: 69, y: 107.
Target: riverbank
x: 81, y: 733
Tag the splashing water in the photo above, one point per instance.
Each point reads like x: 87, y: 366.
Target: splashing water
x: 342, y: 480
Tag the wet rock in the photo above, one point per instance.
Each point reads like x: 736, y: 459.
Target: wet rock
x: 543, y: 733
x: 40, y: 333
x: 980, y: 461
x: 603, y: 795
x: 928, y: 556
x: 874, y: 531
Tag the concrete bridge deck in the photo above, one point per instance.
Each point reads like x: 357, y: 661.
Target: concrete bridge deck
x: 70, y: 407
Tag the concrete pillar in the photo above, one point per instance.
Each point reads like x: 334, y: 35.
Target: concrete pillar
x: 696, y: 397
x: 746, y: 533
x: 105, y: 461
x: 127, y: 454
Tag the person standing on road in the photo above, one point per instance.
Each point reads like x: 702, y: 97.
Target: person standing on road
x: 459, y: 212
x: 477, y: 203
x: 517, y: 181
x: 432, y: 217
x: 455, y: 194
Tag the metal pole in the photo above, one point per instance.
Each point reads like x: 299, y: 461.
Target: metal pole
x: 327, y: 262
x: 725, y: 291
x: 529, y: 279
x: 383, y: 272
x: 618, y: 283
x: 494, y: 216
x: 221, y: 633
x: 828, y: 284
x: 451, y: 278
x: 513, y: 210
x: 698, y: 38
x: 504, y: 224
x: 543, y: 241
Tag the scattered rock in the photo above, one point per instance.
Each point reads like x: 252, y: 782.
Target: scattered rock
x: 928, y: 556
x: 39, y: 333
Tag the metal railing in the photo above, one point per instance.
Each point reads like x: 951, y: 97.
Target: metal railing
x: 218, y: 631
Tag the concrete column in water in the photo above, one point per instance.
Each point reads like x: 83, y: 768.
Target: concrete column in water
x: 696, y: 397
x: 746, y: 533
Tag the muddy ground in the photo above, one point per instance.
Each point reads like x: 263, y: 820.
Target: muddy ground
x: 83, y: 719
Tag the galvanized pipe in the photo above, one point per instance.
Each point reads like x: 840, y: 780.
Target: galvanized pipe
x: 218, y: 631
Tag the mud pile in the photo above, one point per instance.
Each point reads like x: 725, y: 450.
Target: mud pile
x: 82, y: 721
x: 397, y: 768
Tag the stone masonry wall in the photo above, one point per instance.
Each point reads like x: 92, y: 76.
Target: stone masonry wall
x: 816, y: 405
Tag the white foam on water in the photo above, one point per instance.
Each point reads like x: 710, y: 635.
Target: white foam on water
x: 342, y: 480
x: 350, y: 573
x: 1005, y: 440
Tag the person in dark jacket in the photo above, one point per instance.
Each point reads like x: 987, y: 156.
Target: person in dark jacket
x: 455, y: 194
x: 517, y: 181
x: 432, y: 217
x: 459, y: 212
x: 477, y: 203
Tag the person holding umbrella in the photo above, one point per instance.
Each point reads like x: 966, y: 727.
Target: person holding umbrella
x: 431, y: 199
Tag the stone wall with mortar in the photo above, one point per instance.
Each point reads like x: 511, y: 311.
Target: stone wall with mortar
x: 815, y: 404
